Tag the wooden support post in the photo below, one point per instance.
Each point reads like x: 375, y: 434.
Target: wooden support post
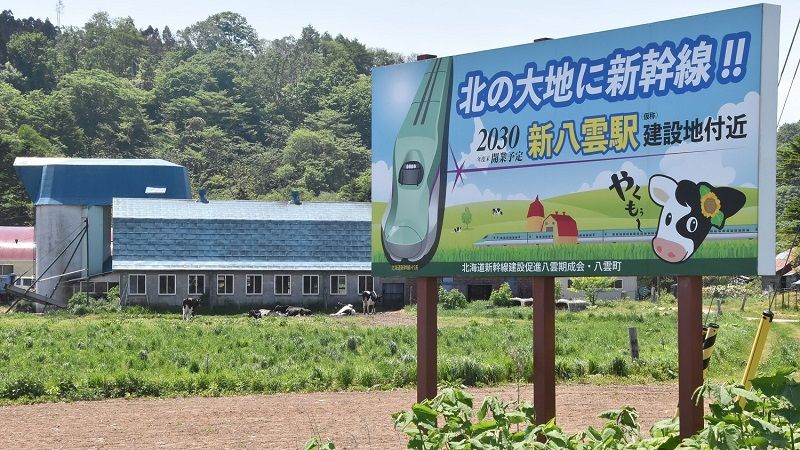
x: 544, y: 349
x: 633, y: 342
x: 690, y: 353
x: 427, y: 297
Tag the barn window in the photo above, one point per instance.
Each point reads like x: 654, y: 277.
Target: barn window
x: 6, y: 269
x: 364, y: 283
x: 283, y: 285
x: 166, y: 285
x: 338, y: 285
x: 617, y: 284
x: 197, y: 284
x: 254, y: 283
x: 136, y: 284
x: 310, y: 284
x: 225, y: 284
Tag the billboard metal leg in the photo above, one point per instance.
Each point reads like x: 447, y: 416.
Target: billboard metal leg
x: 427, y: 297
x: 690, y: 353
x: 544, y: 349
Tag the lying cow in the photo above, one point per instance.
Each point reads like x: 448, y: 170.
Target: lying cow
x: 297, y: 311
x: 189, y: 304
x: 259, y: 313
x: 368, y: 301
x: 346, y: 310
x: 497, y: 212
x: 689, y: 210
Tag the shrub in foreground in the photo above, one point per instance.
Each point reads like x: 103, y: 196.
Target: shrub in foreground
x: 452, y: 299
x: 501, y: 296
x: 770, y: 418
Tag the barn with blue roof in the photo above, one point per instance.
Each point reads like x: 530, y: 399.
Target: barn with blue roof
x: 241, y: 253
x: 72, y: 199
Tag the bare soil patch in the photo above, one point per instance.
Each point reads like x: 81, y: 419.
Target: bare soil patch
x: 353, y: 420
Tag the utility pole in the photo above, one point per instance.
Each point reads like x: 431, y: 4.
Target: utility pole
x: 59, y: 11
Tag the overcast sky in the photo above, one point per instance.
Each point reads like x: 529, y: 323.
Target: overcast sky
x: 414, y: 26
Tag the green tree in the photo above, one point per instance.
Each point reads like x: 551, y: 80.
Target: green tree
x: 466, y: 217
x: 222, y: 30
x: 32, y: 54
x: 591, y: 286
x: 110, y: 112
x: 15, y: 206
x: 114, y: 46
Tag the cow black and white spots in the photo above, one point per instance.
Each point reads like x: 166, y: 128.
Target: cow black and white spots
x: 346, y: 310
x: 368, y: 301
x: 189, y: 304
x: 259, y: 313
x: 297, y: 311
x: 497, y: 212
x: 688, y: 211
x: 457, y: 230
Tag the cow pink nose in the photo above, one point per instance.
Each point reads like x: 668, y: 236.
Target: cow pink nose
x: 668, y: 250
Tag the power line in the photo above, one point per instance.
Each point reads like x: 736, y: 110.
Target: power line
x: 789, y: 91
x: 787, y: 53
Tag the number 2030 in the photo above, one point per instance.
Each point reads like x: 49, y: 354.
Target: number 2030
x: 498, y: 139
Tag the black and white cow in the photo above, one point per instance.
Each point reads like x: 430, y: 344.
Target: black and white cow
x: 297, y: 311
x: 259, y: 313
x: 497, y: 212
x: 457, y: 230
x: 189, y: 304
x: 368, y: 301
x: 345, y: 310
x: 688, y: 211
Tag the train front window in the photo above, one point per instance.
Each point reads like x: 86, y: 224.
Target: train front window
x: 411, y: 173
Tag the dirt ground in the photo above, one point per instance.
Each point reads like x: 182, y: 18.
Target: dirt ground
x: 353, y: 420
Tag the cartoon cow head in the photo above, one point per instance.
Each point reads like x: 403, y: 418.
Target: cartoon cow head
x: 688, y: 211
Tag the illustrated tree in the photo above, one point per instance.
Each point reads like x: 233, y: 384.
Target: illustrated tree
x: 591, y: 286
x: 466, y: 217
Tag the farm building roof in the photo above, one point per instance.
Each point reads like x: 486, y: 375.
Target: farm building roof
x: 536, y: 209
x: 17, y: 244
x: 79, y: 181
x: 566, y: 224
x: 162, y: 234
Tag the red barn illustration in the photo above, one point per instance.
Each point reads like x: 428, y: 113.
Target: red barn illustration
x: 563, y: 227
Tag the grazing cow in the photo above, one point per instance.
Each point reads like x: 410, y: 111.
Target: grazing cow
x: 688, y: 211
x: 189, y: 304
x: 497, y: 212
x: 346, y: 310
x: 368, y: 301
x: 457, y: 230
x: 297, y: 311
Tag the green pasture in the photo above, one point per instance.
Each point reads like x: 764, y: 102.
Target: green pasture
x: 62, y: 357
x: 591, y: 210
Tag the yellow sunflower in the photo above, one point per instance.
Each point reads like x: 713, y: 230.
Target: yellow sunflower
x: 709, y: 204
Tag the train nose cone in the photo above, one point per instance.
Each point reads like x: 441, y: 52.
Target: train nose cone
x: 669, y: 251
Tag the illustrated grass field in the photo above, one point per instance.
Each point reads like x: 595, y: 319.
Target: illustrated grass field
x: 62, y: 357
x: 591, y: 210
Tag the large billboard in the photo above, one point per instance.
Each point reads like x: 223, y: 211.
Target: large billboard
x: 643, y: 150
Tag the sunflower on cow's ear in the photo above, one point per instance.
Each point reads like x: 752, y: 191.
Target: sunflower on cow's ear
x: 711, y: 206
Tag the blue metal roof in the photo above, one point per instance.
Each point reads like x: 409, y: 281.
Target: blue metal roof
x: 137, y: 208
x: 240, y: 235
x: 77, y: 181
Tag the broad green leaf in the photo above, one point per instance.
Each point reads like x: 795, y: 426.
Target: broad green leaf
x: 425, y: 413
x: 483, y: 426
x: 747, y: 394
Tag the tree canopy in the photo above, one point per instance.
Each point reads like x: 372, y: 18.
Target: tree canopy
x: 250, y: 118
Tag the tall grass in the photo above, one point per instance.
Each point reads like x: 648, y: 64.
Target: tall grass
x: 63, y: 357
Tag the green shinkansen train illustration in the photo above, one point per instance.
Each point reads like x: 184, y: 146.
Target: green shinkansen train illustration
x: 609, y: 236
x: 412, y: 224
